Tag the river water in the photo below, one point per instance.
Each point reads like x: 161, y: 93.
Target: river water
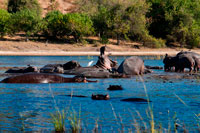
x: 27, y: 107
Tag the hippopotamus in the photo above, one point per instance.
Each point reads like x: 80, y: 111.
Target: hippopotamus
x: 52, y: 68
x: 71, y: 65
x: 100, y: 97
x: 104, y: 61
x: 23, y: 69
x: 195, y: 56
x: 135, y: 100
x: 114, y: 87
x: 169, y: 62
x: 184, y: 61
x: 132, y: 66
x: 43, y: 78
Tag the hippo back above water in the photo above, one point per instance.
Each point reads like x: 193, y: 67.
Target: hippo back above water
x: 43, y: 78
x: 132, y: 66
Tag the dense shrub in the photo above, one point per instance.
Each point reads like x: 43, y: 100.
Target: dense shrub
x: 175, y: 20
x: 4, y: 22
x: 55, y: 24
x: 79, y: 25
x: 71, y: 24
x: 25, y: 21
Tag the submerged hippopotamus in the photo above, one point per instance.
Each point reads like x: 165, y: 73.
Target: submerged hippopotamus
x: 23, y: 69
x: 43, y: 78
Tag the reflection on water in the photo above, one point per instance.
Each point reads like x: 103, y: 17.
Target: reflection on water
x: 28, y: 106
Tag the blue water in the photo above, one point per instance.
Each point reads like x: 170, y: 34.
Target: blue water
x: 28, y: 106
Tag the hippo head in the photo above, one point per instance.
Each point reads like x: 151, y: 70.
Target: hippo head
x: 169, y: 62
x: 81, y: 79
x: 100, y: 97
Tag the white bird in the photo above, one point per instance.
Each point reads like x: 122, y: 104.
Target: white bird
x: 90, y: 63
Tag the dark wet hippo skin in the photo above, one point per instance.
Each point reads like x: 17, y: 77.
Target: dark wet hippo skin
x: 195, y: 56
x: 169, y: 62
x: 93, y: 72
x: 132, y: 66
x: 135, y: 100
x: 71, y: 65
x: 154, y: 67
x: 114, y: 87
x: 184, y: 61
x: 100, y: 97
x: 22, y: 69
x: 43, y: 78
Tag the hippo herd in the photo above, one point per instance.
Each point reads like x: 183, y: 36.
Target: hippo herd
x: 182, y: 60
x: 104, y: 68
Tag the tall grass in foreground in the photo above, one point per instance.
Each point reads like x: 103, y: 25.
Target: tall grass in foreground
x: 75, y: 121
x: 59, y: 117
x: 58, y: 120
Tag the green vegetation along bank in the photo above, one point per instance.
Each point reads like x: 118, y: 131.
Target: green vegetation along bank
x: 155, y: 23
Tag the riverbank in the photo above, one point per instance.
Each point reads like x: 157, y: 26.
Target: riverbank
x: 21, y: 48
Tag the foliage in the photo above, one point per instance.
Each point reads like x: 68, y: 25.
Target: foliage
x: 26, y: 21
x: 75, y: 121
x: 175, y: 18
x: 18, y: 5
x: 118, y: 19
x: 55, y: 24
x: 79, y: 25
x: 71, y: 24
x: 58, y: 120
x: 4, y: 22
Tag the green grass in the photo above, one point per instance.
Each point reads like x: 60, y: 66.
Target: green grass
x: 58, y: 120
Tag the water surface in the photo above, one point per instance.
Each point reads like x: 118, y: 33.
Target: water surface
x: 28, y: 106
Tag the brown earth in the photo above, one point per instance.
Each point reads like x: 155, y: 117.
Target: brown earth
x: 63, y: 5
x: 13, y: 47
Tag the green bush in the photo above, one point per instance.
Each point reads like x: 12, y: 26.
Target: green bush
x: 71, y: 24
x: 25, y: 21
x: 18, y: 5
x: 4, y: 22
x: 79, y: 25
x: 153, y: 42
x: 55, y: 24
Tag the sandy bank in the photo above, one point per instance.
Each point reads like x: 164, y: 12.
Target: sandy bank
x: 14, y: 48
x: 81, y: 53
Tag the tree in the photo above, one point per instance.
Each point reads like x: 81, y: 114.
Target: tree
x: 175, y: 20
x: 55, y: 24
x: 117, y: 18
x: 118, y: 22
x: 4, y: 22
x: 79, y: 25
x: 26, y: 21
